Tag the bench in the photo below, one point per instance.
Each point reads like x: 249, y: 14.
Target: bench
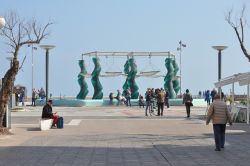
x: 45, y: 124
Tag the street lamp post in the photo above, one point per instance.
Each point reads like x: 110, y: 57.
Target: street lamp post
x: 47, y: 48
x: 180, y: 51
x: 219, y: 49
x: 32, y: 65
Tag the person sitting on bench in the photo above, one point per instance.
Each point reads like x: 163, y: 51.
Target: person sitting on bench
x: 48, y: 114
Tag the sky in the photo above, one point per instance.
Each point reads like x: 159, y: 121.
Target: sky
x: 82, y: 26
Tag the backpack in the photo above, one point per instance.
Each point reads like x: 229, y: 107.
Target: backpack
x: 60, y: 123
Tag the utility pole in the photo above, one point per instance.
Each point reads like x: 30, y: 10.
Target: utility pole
x: 180, y: 51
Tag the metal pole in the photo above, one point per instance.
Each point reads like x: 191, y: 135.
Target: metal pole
x: 233, y: 93
x: 11, y: 91
x: 47, y: 48
x: 248, y: 103
x: 32, y: 74
x: 47, y: 74
x: 180, y: 67
x: 219, y: 70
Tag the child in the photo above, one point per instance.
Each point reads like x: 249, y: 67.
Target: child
x: 141, y: 101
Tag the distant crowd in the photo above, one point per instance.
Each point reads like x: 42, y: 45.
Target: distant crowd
x: 208, y: 96
x: 153, y: 100
x: 36, y: 94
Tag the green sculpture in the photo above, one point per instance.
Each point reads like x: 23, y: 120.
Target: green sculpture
x: 126, y: 84
x: 81, y: 81
x: 169, y: 78
x: 95, y: 79
x: 130, y: 68
x: 176, y: 82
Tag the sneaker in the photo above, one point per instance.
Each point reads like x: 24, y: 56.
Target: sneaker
x: 217, y: 149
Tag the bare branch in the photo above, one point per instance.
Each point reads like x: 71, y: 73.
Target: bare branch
x: 242, y: 30
x: 11, y: 45
x: 239, y: 22
x: 17, y: 33
x: 243, y: 10
x: 22, y: 63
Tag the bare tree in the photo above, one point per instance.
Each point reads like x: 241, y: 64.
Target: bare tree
x: 238, y: 25
x: 17, y: 33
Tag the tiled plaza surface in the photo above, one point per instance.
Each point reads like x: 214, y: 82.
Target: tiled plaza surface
x: 121, y: 136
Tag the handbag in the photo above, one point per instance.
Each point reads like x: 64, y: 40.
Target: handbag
x: 189, y: 103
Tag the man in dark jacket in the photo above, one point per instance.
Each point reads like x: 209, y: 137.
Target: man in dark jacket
x: 166, y: 98
x: 47, y: 113
x: 187, y: 100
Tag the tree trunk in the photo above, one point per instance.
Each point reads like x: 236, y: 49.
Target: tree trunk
x: 7, y: 85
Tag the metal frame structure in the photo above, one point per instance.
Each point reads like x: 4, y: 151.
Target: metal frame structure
x: 152, y: 74
x: 243, y: 79
x: 129, y: 54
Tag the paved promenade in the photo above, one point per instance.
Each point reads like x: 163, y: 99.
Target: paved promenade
x: 121, y: 136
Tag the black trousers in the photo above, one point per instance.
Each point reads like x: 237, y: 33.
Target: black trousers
x: 160, y: 108
x: 188, y: 109
x: 219, y: 135
x: 128, y: 101
x: 33, y: 101
x: 166, y: 102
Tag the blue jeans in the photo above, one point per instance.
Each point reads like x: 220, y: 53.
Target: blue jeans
x: 148, y: 106
x: 128, y: 101
x: 219, y: 135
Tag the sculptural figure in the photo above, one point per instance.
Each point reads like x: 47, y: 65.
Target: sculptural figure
x: 176, y: 82
x: 130, y: 69
x: 81, y: 81
x: 98, y: 94
x: 169, y: 78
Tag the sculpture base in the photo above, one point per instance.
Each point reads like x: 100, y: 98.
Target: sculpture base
x: 106, y: 102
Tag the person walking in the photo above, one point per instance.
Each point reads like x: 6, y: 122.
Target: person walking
x: 220, y: 115
x: 153, y: 99
x: 118, y: 97
x: 22, y: 96
x: 160, y: 102
x: 187, y: 100
x: 166, y: 98
x: 148, y: 98
x: 128, y: 97
x: 141, y: 101
x: 213, y: 93
x: 207, y: 97
x: 34, y: 95
x: 111, y: 96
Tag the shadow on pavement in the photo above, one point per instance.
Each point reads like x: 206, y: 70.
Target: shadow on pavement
x: 33, y: 129
x: 154, y: 154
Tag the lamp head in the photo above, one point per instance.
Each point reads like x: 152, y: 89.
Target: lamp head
x: 2, y: 22
x: 47, y: 47
x: 219, y: 48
